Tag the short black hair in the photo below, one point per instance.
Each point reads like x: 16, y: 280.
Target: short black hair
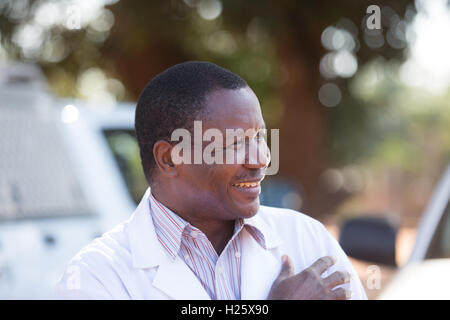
x: 174, y: 99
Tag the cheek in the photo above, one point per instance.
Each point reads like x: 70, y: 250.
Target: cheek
x: 209, y: 178
x: 217, y: 177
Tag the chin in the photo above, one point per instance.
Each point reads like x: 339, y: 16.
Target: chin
x: 249, y: 210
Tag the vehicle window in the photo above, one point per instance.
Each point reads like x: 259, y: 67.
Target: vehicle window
x: 440, y: 245
x: 124, y: 146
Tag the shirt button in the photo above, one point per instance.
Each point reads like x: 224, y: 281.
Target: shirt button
x: 220, y: 270
x: 237, y: 254
x: 186, y: 257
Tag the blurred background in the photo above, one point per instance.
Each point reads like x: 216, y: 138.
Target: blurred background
x: 364, y: 119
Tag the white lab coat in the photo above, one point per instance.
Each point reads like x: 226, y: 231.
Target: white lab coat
x: 129, y: 262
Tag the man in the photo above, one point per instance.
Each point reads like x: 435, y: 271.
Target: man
x: 199, y: 231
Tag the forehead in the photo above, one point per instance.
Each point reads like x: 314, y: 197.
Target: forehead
x: 231, y: 109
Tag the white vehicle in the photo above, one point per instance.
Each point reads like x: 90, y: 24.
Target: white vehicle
x: 60, y: 180
x: 426, y: 274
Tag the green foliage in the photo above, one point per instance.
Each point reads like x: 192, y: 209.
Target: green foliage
x: 377, y: 117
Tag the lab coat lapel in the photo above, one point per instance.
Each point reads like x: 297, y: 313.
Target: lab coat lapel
x: 176, y: 280
x: 173, y: 276
x: 259, y: 268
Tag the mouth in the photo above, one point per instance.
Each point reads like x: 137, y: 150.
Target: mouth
x: 246, y: 184
x: 248, y: 189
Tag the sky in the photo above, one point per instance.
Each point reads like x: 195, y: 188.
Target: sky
x: 428, y: 63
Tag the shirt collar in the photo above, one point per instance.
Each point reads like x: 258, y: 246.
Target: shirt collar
x: 171, y: 228
x: 265, y: 228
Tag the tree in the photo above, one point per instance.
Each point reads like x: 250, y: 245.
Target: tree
x: 277, y: 46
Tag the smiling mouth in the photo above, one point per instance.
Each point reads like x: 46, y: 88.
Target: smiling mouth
x: 246, y: 184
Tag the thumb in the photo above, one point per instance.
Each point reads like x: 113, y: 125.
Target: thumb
x: 287, y: 268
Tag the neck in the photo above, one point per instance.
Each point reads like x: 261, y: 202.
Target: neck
x: 218, y: 232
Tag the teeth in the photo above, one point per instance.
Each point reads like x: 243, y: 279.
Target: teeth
x: 246, y: 184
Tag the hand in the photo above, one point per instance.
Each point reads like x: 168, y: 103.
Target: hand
x: 308, y: 284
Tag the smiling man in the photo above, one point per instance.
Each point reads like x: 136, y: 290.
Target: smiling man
x: 200, y: 231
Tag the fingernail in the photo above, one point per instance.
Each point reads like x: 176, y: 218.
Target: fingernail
x: 283, y: 258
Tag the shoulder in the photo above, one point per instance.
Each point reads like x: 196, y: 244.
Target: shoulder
x: 295, y: 227
x: 94, y: 271
x: 112, y: 246
x: 101, y: 258
x: 290, y: 219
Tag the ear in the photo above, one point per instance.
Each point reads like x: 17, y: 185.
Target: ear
x: 162, y: 154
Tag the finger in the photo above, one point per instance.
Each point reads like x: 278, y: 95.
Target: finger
x: 340, y: 294
x: 287, y: 268
x: 337, y: 278
x: 322, y: 264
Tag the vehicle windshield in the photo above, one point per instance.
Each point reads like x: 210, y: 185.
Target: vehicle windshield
x: 440, y: 245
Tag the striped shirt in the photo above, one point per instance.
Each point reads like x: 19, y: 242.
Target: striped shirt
x: 219, y: 275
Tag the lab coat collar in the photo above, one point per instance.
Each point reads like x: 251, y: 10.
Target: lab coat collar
x: 271, y: 238
x: 146, y: 251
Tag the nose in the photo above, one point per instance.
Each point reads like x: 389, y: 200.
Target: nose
x: 258, y: 155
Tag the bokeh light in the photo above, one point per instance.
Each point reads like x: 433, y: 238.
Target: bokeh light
x: 330, y: 95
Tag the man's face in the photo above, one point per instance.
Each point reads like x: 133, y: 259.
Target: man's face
x: 227, y: 191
